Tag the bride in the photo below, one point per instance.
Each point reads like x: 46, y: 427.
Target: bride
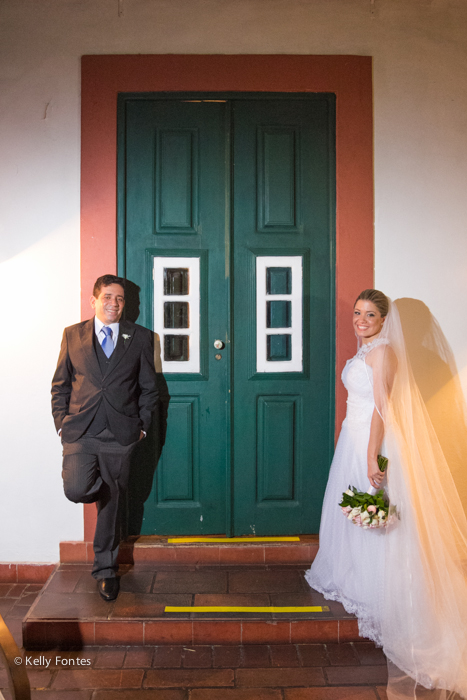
x: 406, y: 582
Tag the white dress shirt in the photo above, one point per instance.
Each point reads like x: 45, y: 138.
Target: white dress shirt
x: 98, y: 326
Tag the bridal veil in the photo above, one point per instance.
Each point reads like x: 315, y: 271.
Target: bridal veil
x: 424, y: 618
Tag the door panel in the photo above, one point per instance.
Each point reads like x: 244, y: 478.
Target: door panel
x: 243, y: 191
x: 181, y: 484
x: 283, y: 313
x: 277, y: 447
x: 175, y: 183
x: 277, y: 178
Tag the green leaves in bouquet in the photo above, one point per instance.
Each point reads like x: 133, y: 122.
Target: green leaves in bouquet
x: 361, y: 498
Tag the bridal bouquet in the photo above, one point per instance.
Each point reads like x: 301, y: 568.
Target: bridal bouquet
x: 367, y: 510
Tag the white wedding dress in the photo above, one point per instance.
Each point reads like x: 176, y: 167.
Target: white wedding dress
x: 349, y: 566
x: 406, y: 583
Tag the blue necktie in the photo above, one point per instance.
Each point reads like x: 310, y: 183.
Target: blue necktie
x: 107, y: 343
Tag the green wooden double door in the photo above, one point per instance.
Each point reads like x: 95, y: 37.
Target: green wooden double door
x: 226, y: 222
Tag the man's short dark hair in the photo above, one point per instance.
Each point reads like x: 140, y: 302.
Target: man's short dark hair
x: 104, y: 281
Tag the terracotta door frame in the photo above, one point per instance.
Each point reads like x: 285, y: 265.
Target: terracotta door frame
x: 349, y: 77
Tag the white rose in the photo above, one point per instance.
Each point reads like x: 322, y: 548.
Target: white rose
x: 354, y: 512
x: 381, y: 514
x: 349, y: 492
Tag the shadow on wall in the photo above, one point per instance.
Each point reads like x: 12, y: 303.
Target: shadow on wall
x: 437, y: 377
x: 148, y: 451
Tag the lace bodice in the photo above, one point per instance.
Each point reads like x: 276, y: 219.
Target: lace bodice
x: 368, y: 347
x: 357, y: 377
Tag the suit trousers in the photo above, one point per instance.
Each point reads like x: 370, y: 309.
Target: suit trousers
x: 96, y: 470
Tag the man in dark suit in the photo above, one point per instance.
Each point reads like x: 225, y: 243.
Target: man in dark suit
x: 104, y: 392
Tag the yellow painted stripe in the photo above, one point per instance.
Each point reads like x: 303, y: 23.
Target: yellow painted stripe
x: 238, y: 608
x: 184, y: 540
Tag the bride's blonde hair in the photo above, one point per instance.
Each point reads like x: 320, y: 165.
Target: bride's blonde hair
x: 377, y: 298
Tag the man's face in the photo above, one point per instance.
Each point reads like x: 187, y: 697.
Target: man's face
x: 108, y: 306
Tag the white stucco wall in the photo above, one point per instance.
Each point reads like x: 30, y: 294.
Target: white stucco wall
x: 420, y: 105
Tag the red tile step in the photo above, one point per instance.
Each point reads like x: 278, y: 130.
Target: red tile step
x: 69, y: 613
x: 25, y: 573
x: 264, y: 672
x: 162, y: 552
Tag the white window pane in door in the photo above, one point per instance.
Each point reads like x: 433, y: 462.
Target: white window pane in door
x: 176, y: 312
x: 279, y: 313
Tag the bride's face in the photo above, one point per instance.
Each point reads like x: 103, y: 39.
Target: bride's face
x: 367, y: 320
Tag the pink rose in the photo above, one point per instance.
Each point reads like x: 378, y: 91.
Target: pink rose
x: 372, y: 509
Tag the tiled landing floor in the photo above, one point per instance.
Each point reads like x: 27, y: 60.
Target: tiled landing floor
x: 69, y: 611
x: 145, y: 590
x: 15, y: 602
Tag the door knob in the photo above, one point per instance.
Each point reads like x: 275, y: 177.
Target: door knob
x: 219, y: 345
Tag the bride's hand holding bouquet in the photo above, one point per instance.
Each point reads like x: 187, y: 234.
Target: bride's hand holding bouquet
x: 368, y: 510
x: 375, y: 471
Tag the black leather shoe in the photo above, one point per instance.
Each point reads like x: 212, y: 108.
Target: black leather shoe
x: 108, y: 588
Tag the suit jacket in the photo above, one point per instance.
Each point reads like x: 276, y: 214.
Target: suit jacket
x: 128, y: 389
